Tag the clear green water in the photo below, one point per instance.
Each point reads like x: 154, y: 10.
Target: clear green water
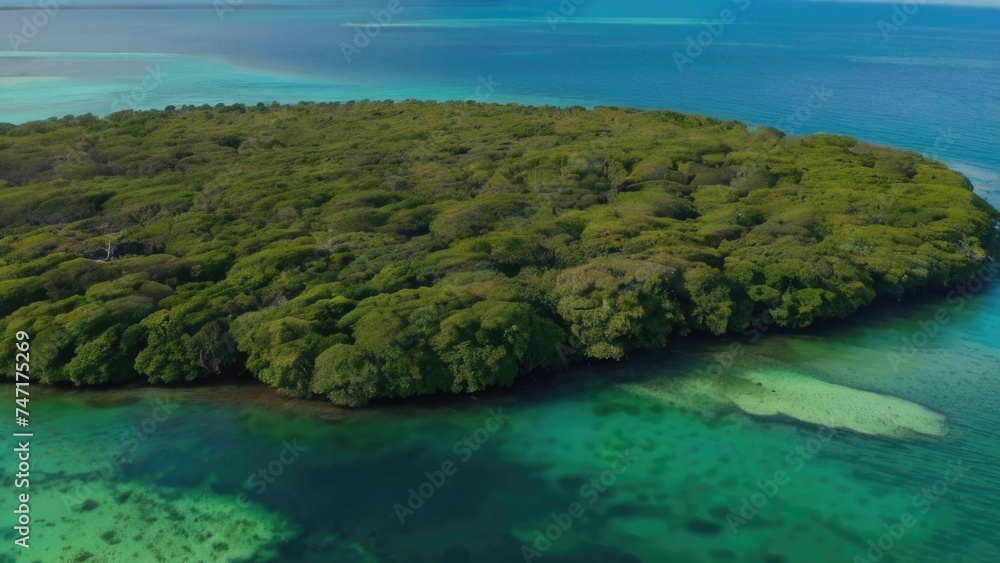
x: 176, y: 496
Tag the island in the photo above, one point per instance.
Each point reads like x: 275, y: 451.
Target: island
x: 377, y: 249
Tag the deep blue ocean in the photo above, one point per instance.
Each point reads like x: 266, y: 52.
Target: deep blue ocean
x: 919, y: 77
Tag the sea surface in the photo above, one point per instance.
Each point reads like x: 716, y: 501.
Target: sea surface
x: 645, y: 460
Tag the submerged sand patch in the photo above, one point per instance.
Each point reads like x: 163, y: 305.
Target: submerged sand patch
x: 799, y: 396
x: 131, y: 521
x: 767, y: 393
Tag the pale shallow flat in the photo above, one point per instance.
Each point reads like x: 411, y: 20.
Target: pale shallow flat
x: 768, y: 393
x: 802, y: 397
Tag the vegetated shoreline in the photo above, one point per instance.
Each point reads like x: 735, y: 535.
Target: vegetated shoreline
x: 249, y: 389
x: 376, y: 250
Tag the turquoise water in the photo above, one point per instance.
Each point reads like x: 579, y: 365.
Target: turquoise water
x: 695, y: 460
x: 220, y: 473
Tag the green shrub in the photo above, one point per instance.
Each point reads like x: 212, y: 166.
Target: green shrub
x: 380, y: 249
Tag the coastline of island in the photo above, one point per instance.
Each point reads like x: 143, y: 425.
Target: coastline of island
x: 369, y: 250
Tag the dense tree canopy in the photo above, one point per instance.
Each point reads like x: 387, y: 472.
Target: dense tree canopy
x: 380, y: 249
